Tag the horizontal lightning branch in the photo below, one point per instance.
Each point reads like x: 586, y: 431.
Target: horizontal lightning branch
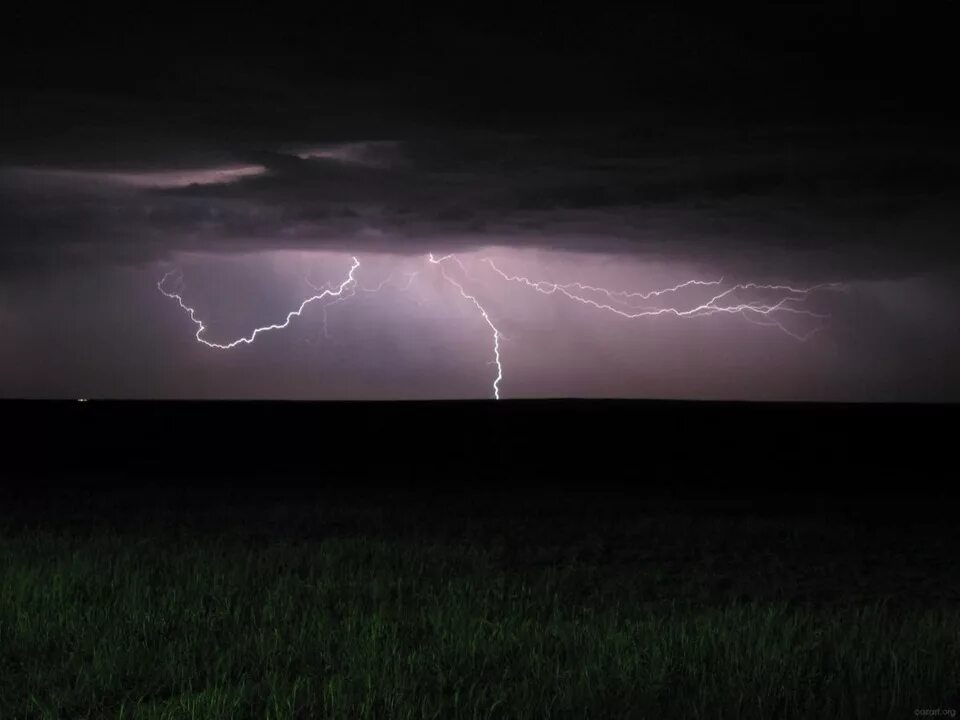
x: 720, y: 303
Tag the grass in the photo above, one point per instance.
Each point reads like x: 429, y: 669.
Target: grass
x: 307, y: 610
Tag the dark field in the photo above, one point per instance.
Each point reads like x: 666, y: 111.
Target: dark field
x: 155, y: 590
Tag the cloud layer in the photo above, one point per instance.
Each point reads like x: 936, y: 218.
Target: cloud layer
x: 811, y: 204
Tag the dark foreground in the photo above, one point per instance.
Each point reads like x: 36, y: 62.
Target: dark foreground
x: 632, y: 444
x: 370, y: 576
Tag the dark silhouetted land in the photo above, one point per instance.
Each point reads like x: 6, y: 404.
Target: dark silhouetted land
x: 464, y: 560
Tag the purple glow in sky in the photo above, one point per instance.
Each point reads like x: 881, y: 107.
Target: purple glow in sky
x: 538, y: 220
x: 398, y: 326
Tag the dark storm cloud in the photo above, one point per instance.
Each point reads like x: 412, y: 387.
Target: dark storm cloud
x: 871, y: 206
x: 786, y: 139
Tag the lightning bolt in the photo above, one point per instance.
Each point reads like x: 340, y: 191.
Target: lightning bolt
x: 348, y: 283
x: 411, y: 276
x: 720, y: 303
x: 486, y: 317
x: 614, y: 294
x: 343, y: 297
x: 782, y: 300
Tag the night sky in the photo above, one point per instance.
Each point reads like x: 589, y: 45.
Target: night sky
x: 247, y: 159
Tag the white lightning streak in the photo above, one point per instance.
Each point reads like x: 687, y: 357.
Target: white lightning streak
x: 712, y: 306
x: 467, y: 296
x: 349, y: 283
x: 613, y: 294
x: 411, y: 276
x: 788, y: 300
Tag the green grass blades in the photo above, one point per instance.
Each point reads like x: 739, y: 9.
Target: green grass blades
x: 169, y: 624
